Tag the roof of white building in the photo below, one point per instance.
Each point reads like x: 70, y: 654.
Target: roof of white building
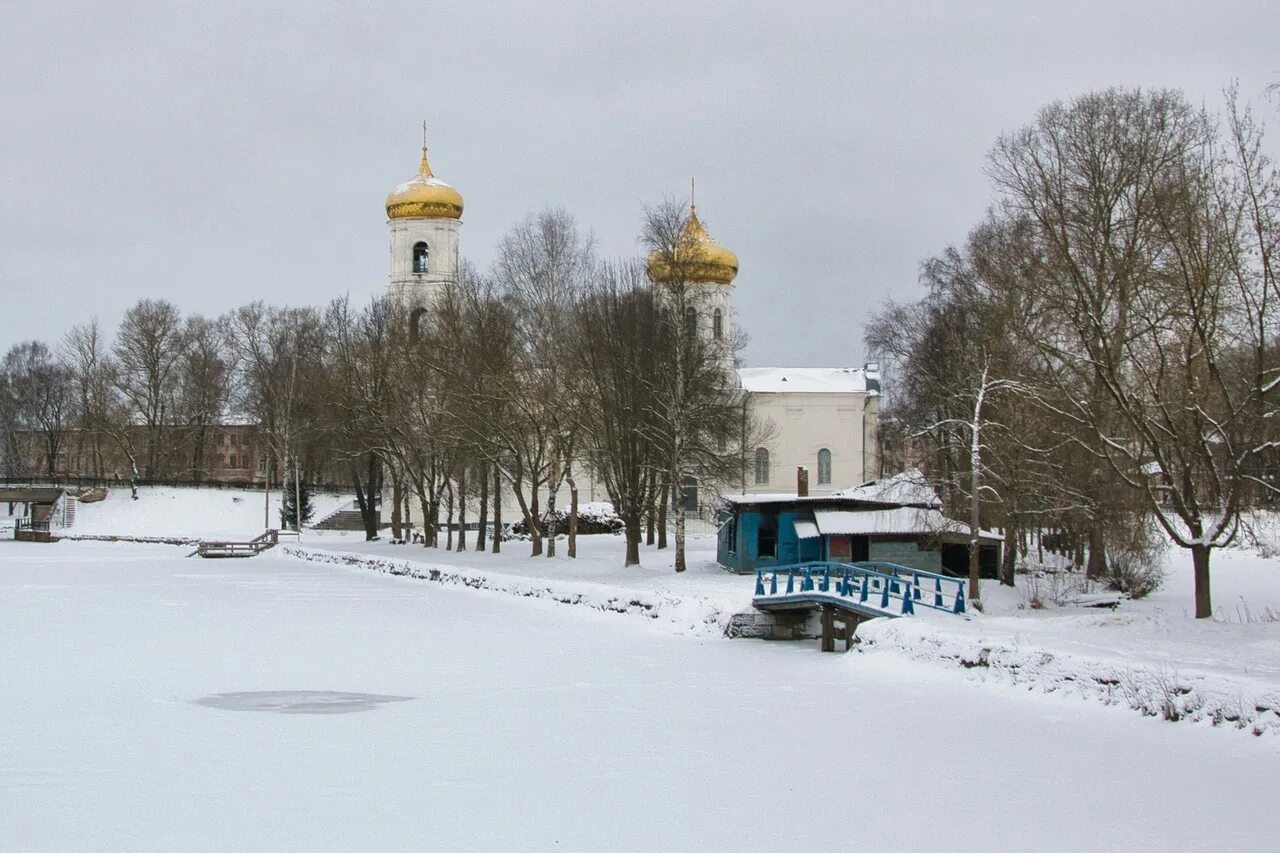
x: 809, y: 380
x: 908, y: 488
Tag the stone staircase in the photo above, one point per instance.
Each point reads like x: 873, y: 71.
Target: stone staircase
x: 346, y: 517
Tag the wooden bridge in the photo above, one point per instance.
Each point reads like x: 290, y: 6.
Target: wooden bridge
x: 252, y: 548
x: 850, y: 593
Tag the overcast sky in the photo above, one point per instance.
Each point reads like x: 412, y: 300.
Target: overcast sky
x: 218, y: 153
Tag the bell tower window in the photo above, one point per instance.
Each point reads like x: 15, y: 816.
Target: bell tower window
x: 420, y: 253
x: 717, y: 324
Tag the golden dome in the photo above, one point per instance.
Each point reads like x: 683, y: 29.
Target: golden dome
x: 424, y: 196
x: 697, y: 256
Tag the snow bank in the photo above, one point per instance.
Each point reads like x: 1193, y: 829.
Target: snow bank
x: 694, y: 615
x: 1161, y: 690
x: 169, y: 512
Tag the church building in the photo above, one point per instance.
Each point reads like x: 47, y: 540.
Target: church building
x: 822, y: 419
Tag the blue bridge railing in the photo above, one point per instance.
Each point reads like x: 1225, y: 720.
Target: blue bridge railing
x: 875, y: 585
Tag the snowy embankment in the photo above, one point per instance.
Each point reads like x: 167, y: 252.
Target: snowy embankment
x: 184, y: 514
x: 695, y: 608
x: 1148, y: 655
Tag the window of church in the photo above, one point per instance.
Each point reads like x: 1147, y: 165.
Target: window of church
x: 416, y: 322
x: 824, y: 467
x: 717, y: 324
x: 762, y: 466
x: 690, y: 321
x: 420, y: 257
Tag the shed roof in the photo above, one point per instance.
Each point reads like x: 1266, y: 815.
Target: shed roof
x: 806, y: 529
x: 901, y: 520
x: 30, y: 494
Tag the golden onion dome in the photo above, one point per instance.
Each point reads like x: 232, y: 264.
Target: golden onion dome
x: 424, y: 196
x: 697, y: 256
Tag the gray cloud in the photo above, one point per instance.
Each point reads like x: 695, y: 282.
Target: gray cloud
x: 218, y: 153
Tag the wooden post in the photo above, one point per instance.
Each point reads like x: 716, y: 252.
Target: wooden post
x: 828, y: 628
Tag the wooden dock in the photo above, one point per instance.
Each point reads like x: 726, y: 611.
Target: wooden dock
x: 252, y: 548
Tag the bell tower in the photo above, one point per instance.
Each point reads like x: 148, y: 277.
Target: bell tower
x: 424, y: 215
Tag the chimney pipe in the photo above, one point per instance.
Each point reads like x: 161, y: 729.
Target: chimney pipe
x: 802, y: 481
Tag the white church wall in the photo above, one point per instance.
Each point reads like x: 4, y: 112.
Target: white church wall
x: 803, y: 424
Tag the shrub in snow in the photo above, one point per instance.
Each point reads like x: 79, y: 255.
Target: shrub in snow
x: 1044, y: 585
x: 1136, y: 560
x: 593, y: 519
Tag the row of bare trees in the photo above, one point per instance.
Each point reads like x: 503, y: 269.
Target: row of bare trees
x: 509, y: 383
x: 1102, y: 349
x: 152, y: 396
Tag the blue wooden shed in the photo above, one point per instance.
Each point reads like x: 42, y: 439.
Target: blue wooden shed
x: 896, y: 520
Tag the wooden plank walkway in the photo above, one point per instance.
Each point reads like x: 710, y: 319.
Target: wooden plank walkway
x: 252, y: 548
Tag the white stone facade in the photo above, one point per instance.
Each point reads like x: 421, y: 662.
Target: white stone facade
x: 809, y: 410
x: 412, y: 288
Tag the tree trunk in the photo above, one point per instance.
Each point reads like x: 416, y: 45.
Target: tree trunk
x: 426, y: 519
x: 535, y: 525
x: 680, y: 564
x: 462, y: 511
x: 1097, y: 565
x: 1200, y: 563
x: 573, y: 513
x: 651, y: 513
x: 663, y: 496
x: 553, y: 524
x: 497, y: 510
x: 484, y: 506
x: 1010, y: 556
x: 975, y: 542
x: 374, y: 483
x: 395, y: 507
x: 448, y: 516
x: 632, y: 532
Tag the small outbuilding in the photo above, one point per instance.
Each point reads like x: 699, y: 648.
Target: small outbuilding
x: 895, y: 520
x: 32, y: 508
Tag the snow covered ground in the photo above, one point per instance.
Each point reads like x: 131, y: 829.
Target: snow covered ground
x: 152, y: 702
x: 162, y: 511
x: 1150, y: 654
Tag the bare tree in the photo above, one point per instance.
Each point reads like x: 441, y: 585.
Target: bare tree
x: 1153, y: 279
x: 39, y: 400
x: 149, y: 348
x: 700, y: 404
x: 278, y: 355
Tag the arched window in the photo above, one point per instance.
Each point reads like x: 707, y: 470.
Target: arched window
x: 762, y: 465
x: 717, y: 324
x: 416, y: 322
x: 824, y: 467
x: 690, y: 321
x: 420, y: 253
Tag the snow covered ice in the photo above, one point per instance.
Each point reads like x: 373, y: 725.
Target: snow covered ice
x: 540, y: 726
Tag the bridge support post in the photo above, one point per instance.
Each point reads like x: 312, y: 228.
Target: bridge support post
x: 828, y: 628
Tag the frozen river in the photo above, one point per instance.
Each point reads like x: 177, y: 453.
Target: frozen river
x: 150, y: 702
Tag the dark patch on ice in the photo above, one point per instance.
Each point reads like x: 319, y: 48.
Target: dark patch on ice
x: 298, y: 701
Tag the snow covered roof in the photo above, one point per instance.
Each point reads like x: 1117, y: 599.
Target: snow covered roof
x: 906, y: 489
x: 876, y: 522
x: 809, y: 380
x: 806, y: 529
x: 775, y: 498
